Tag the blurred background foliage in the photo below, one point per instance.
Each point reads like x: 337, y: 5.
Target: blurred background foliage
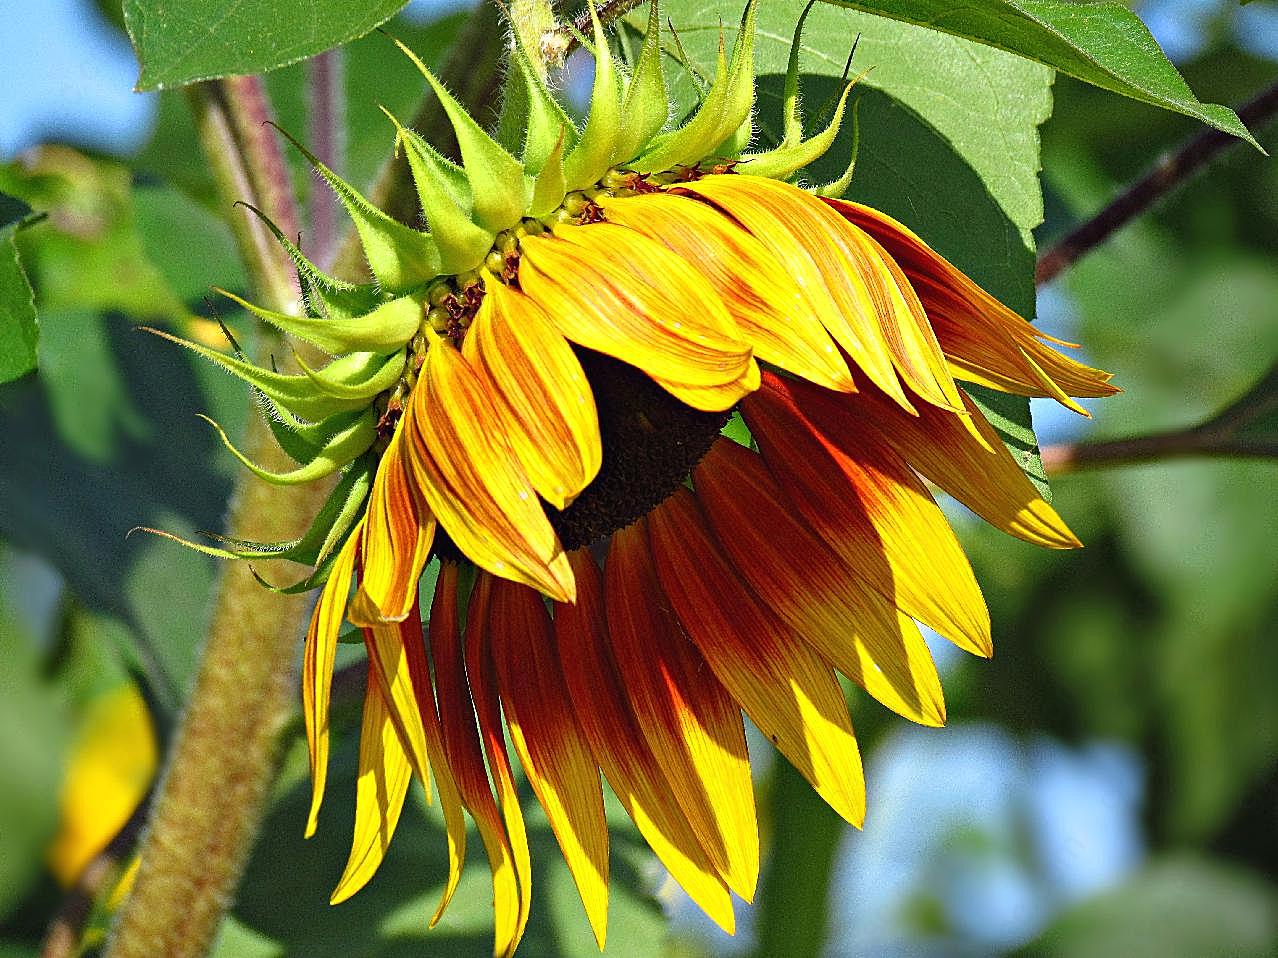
x: 1108, y: 784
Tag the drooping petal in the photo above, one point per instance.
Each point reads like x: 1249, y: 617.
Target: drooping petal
x: 690, y: 722
x: 481, y: 674
x: 624, y: 295
x: 549, y: 411
x: 465, y: 755
x: 788, y: 690
x: 985, y: 342
x: 317, y: 668
x: 399, y: 530
x: 980, y: 474
x: 543, y: 727
x: 821, y: 598
x: 810, y: 240
x: 384, y: 775
x: 470, y: 481
x: 875, y: 513
x: 600, y: 697
x: 757, y: 289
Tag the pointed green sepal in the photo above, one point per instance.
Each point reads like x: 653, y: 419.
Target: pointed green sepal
x: 496, y: 177
x: 594, y: 152
x: 549, y: 189
x: 787, y: 159
x: 400, y: 257
x: 357, y: 376
x: 324, y: 295
x: 252, y: 550
x: 298, y: 394
x: 739, y: 103
x: 532, y: 119
x: 835, y: 189
x: 342, y: 448
x: 387, y: 328
x: 693, y: 141
x: 462, y: 244
x: 792, y: 117
x: 647, y: 104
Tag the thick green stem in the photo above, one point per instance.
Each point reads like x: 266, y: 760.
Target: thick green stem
x: 213, y: 794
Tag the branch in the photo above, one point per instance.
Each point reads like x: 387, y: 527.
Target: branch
x: 1169, y: 173
x: 569, y: 38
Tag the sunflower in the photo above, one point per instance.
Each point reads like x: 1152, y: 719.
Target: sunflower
x: 659, y: 424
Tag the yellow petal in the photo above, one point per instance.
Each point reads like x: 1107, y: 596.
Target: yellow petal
x: 469, y: 478
x: 317, y: 668
x: 549, y: 409
x: 760, y: 294
x: 820, y: 597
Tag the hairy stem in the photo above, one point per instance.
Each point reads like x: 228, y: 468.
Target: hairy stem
x: 326, y: 105
x: 1168, y: 174
x: 212, y: 795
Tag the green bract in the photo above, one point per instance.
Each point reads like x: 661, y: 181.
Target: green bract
x: 535, y: 168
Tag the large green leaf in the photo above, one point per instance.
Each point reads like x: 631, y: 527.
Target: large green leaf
x: 1102, y: 43
x: 17, y: 304
x: 179, y: 41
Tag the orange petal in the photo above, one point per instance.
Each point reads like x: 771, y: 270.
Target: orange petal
x: 544, y: 730
x: 398, y: 532
x: 317, y: 668
x: 616, y: 292
x: 512, y: 916
x: 550, y: 417
x: 985, y: 342
x: 787, y: 689
x: 980, y: 473
x: 812, y: 241
x: 465, y: 756
x: 814, y: 592
x: 471, y: 482
x: 384, y: 775
x: 691, y: 724
x: 760, y: 294
x: 599, y: 695
x: 875, y: 513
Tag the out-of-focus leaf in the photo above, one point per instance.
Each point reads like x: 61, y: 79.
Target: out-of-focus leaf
x: 1176, y: 908
x: 1102, y: 43
x: 18, y: 330
x: 178, y: 42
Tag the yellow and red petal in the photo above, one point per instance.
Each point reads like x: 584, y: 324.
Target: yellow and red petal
x: 812, y: 241
x: 812, y: 590
x: 875, y: 513
x: 556, y: 758
x: 465, y: 756
x: 979, y: 472
x: 398, y: 532
x: 551, y: 422
x: 788, y: 690
x: 611, y: 290
x: 317, y: 668
x: 470, y: 481
x: 985, y: 342
x: 599, y: 694
x: 690, y: 722
x: 763, y: 298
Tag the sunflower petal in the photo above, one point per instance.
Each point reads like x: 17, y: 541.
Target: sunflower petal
x: 544, y: 730
x: 317, y: 668
x: 759, y: 292
x: 787, y: 689
x: 552, y: 424
x: 465, y: 754
x: 599, y: 695
x: 795, y: 574
x: 690, y: 722
x: 465, y: 472
x: 875, y: 513
x: 622, y: 294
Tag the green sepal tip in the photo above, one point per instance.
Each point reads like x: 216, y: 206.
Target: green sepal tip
x: 355, y: 377
x: 789, y: 158
x: 345, y: 445
x: 388, y: 327
x: 647, y: 104
x: 594, y: 152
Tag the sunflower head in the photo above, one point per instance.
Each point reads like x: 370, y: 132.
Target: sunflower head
x: 536, y: 392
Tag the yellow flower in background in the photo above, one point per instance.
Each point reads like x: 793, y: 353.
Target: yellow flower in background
x: 109, y: 771
x: 534, y: 395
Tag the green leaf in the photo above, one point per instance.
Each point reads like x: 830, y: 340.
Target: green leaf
x: 1104, y: 44
x: 18, y: 328
x: 1010, y: 417
x: 179, y: 42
